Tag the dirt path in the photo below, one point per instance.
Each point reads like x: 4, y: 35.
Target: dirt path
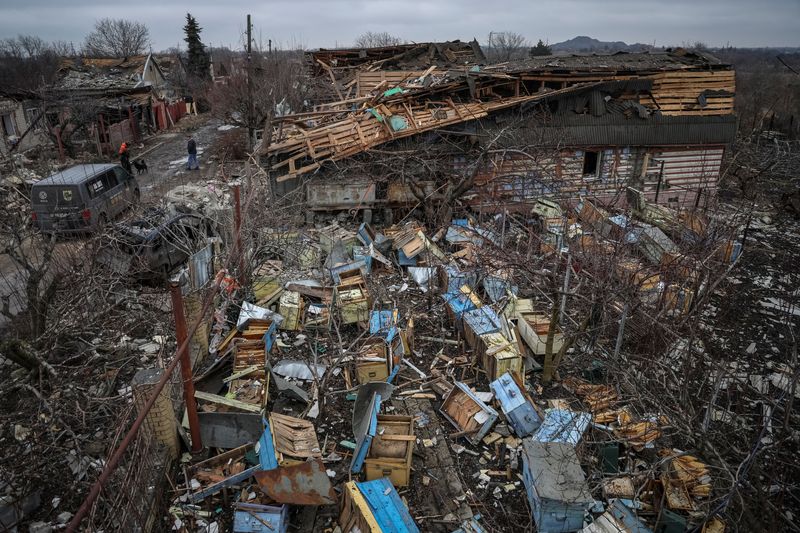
x: 167, y: 160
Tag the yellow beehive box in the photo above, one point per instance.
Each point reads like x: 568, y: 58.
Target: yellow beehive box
x: 390, y: 452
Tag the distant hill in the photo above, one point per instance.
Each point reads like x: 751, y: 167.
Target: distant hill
x: 583, y: 43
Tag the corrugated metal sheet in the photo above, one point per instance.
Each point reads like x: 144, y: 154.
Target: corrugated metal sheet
x: 200, y: 266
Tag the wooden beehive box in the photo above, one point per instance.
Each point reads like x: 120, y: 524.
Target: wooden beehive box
x: 452, y: 279
x: 457, y: 303
x: 352, y: 297
x: 390, y: 452
x: 247, y: 353
x: 251, y: 390
x: 256, y: 518
x: 291, y: 308
x: 498, y: 355
x: 229, y: 469
x: 372, y: 361
x: 480, y: 322
x: 468, y: 413
x: 533, y: 328
x: 374, y: 507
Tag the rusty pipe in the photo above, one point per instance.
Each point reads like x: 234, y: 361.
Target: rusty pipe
x: 186, y: 365
x: 113, y: 462
x: 237, y: 228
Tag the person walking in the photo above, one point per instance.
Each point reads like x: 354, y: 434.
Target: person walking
x: 191, y: 148
x: 125, y: 157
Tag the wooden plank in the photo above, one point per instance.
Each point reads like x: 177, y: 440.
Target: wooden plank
x: 241, y: 373
x: 214, y: 398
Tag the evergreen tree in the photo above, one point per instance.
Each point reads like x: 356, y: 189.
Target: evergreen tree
x: 199, y: 60
x: 541, y: 49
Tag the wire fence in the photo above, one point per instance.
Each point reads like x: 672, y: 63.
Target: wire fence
x: 136, y: 495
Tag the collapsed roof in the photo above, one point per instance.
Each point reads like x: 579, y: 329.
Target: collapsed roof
x: 398, y: 56
x: 107, y: 74
x: 401, y: 104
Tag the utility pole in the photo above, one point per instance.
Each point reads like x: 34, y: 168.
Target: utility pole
x: 250, y: 113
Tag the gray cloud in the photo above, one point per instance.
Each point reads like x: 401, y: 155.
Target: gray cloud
x: 318, y: 23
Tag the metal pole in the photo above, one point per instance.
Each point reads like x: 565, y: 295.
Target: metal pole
x: 660, y: 177
x: 250, y: 113
x: 566, y: 288
x: 237, y: 228
x: 113, y: 462
x: 186, y: 365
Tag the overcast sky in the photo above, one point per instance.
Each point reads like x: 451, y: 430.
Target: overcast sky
x: 328, y: 23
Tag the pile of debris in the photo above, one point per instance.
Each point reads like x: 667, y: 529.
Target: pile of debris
x: 419, y: 334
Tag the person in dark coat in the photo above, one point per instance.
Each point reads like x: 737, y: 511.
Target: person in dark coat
x: 191, y: 148
x: 125, y: 157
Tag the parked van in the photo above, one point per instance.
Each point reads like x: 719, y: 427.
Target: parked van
x: 82, y: 198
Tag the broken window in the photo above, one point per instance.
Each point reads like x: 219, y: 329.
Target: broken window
x: 591, y: 162
x: 8, y: 125
x: 31, y: 114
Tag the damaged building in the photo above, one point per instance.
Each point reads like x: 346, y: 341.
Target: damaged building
x: 576, y: 125
x: 100, y: 102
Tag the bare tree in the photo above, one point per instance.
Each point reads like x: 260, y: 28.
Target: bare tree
x: 376, y: 39
x: 26, y: 63
x: 32, y: 273
x: 507, y: 45
x: 280, y: 79
x: 117, y: 38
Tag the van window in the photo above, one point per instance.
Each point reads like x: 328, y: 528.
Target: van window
x: 122, y: 174
x: 95, y: 187
x: 109, y: 180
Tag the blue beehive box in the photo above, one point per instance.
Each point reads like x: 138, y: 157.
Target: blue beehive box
x: 266, y: 461
x: 255, y: 518
x: 519, y: 408
x: 478, y: 322
x: 555, y: 485
x: 562, y: 425
x: 374, y: 506
x: 458, y: 303
x: 453, y: 279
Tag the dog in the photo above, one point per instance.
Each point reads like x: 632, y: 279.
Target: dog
x: 141, y: 166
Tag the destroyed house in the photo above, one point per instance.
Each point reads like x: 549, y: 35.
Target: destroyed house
x: 130, y: 96
x: 585, y: 125
x: 113, y: 74
x: 342, y: 72
x: 21, y: 127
